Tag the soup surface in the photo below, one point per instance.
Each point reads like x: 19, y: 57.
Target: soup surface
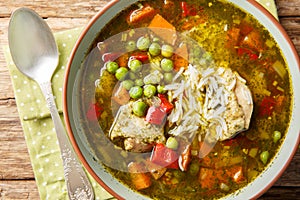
x: 192, y: 98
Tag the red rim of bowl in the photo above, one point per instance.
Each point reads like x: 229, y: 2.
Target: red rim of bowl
x: 65, y: 110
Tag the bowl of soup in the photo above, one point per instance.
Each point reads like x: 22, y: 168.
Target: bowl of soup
x: 183, y: 99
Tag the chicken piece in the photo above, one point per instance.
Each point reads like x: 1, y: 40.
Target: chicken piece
x: 239, y: 108
x: 135, y: 145
x: 138, y: 134
x: 244, y: 99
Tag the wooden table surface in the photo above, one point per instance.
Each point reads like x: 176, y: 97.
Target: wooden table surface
x: 16, y: 175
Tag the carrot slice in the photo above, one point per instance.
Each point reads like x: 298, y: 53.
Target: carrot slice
x: 139, y: 180
x: 123, y: 60
x: 209, y: 178
x: 162, y: 28
x: 141, y: 15
x: 253, y: 41
x: 233, y: 36
x: 181, y: 57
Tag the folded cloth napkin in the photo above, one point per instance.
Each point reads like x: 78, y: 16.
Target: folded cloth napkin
x: 38, y: 127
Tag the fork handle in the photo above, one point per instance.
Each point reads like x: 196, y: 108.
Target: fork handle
x: 78, y: 185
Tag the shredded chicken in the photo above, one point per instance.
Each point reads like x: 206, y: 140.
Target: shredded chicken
x: 136, y: 131
x: 214, y: 97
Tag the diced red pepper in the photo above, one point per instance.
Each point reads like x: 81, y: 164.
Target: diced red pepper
x: 94, y: 112
x: 143, y: 57
x: 156, y: 115
x: 267, y: 106
x: 188, y: 10
x: 165, y: 157
x: 184, y: 9
x: 251, y: 54
x: 165, y: 104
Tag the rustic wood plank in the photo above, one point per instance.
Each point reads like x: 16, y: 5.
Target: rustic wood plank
x: 292, y: 27
x: 63, y: 8
x: 288, y: 7
x: 27, y: 190
x: 291, y: 176
x: 77, y: 8
x: 14, y: 159
x: 18, y: 190
x: 279, y: 193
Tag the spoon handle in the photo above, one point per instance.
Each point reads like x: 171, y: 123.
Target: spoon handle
x: 78, y: 185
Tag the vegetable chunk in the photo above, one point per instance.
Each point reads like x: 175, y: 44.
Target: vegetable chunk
x: 140, y: 180
x: 163, y: 29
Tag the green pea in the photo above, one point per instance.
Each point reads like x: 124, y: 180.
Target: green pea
x: 139, y: 82
x: 131, y: 45
x: 156, y: 39
x: 179, y: 174
x: 149, y: 91
x: 131, y: 75
x: 136, y: 92
x: 194, y: 168
x: 264, y: 156
x: 127, y: 84
x: 139, y: 108
x: 121, y: 73
x: 161, y: 89
x: 143, y: 43
x: 154, y: 49
x: 172, y: 143
x: 276, y: 136
x: 168, y: 77
x: 167, y: 50
x: 112, y: 67
x: 166, y: 64
x: 135, y: 65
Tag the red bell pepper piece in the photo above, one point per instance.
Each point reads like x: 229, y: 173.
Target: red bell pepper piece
x: 141, y: 57
x: 267, y: 106
x: 94, y: 112
x: 188, y: 10
x: 165, y: 157
x: 156, y: 115
x: 184, y: 9
x: 251, y: 54
x: 165, y: 104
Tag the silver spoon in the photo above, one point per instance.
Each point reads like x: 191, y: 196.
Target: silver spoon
x: 35, y: 54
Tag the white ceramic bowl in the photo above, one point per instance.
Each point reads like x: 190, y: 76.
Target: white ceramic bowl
x: 72, y: 104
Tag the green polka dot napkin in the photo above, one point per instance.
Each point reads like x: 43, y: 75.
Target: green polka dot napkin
x: 37, y: 124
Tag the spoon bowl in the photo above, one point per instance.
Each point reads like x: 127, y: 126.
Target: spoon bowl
x: 34, y: 51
